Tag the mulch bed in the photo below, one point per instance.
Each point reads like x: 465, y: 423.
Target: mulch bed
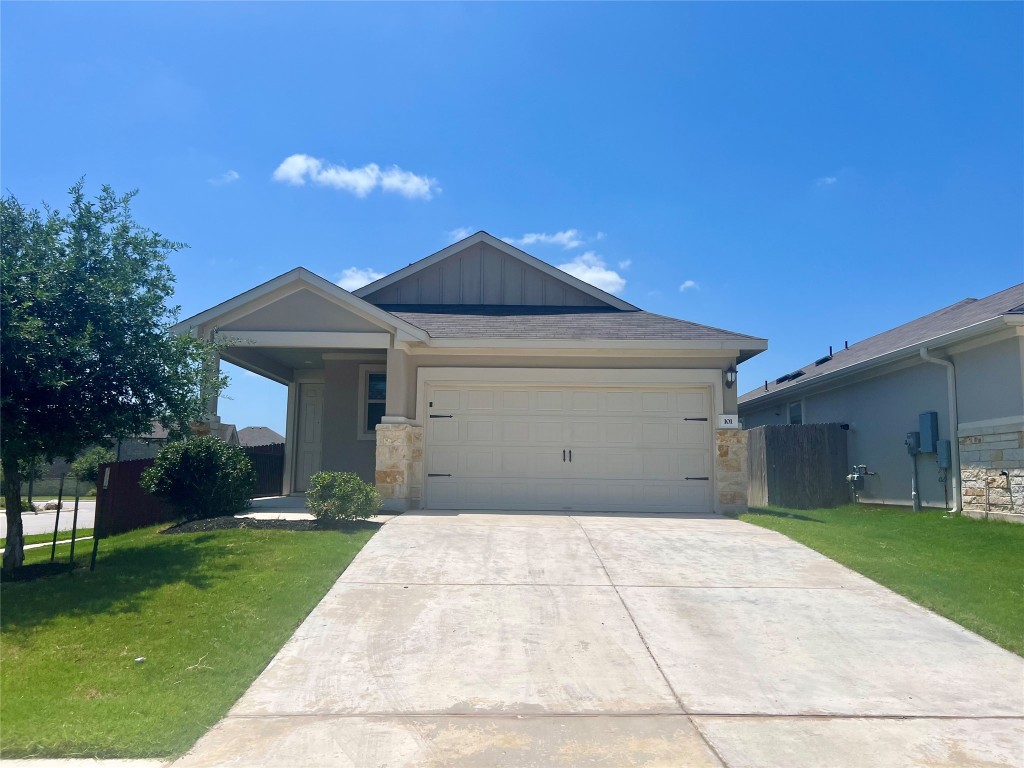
x: 226, y: 523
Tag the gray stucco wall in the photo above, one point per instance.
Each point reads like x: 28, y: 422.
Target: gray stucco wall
x: 989, y: 381
x: 342, y: 451
x: 880, y: 411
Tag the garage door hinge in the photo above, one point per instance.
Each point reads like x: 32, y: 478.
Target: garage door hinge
x: 437, y: 474
x: 703, y: 418
x: 437, y: 416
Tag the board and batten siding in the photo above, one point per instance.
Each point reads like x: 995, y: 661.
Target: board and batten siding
x: 482, y: 274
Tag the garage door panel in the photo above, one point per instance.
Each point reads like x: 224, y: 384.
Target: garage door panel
x: 550, y: 432
x: 443, y: 460
x: 508, y: 448
x: 442, y: 431
x: 655, y: 433
x: 515, y: 400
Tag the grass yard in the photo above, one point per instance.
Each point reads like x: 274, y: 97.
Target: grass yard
x: 971, y: 571
x: 207, y: 610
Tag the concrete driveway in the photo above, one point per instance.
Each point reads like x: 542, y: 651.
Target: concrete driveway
x: 519, y: 640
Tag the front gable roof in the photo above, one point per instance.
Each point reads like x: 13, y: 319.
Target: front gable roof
x: 284, y: 285
x: 377, y: 293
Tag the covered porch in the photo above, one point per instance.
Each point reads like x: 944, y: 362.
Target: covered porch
x: 337, y: 356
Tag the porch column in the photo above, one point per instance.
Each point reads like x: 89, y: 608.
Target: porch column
x: 399, y: 470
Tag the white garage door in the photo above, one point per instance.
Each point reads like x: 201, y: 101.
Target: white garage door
x: 577, y: 448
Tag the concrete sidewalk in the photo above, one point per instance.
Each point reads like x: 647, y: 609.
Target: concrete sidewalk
x: 608, y: 640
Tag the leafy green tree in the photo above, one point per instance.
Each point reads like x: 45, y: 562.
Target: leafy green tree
x: 87, y: 466
x: 84, y: 319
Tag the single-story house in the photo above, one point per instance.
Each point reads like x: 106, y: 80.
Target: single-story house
x: 252, y: 437
x: 963, y: 363
x: 483, y: 378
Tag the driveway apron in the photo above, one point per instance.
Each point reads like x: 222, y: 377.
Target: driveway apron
x: 519, y: 640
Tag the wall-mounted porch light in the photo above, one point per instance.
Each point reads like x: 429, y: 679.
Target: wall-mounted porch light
x: 730, y: 376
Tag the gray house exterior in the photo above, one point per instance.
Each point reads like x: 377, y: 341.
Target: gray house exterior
x: 481, y: 377
x: 965, y: 362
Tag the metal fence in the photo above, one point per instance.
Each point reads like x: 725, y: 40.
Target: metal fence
x: 800, y: 466
x: 268, y: 462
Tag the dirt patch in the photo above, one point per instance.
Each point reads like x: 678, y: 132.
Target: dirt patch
x: 227, y: 523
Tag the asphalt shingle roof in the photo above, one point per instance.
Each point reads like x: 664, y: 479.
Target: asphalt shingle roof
x: 258, y: 436
x: 963, y: 314
x: 579, y: 323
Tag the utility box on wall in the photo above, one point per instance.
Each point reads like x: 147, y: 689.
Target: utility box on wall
x: 929, y: 429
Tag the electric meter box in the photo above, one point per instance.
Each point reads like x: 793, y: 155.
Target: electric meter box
x: 943, y: 454
x: 913, y: 443
x: 929, y: 428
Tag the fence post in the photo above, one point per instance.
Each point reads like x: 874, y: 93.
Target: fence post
x: 56, y: 519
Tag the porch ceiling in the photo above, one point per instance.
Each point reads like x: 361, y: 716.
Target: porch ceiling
x: 280, y: 363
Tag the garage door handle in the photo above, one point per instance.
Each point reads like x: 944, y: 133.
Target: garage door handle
x: 703, y: 418
x: 698, y: 478
x: 563, y: 454
x: 436, y: 416
x: 437, y: 474
x: 570, y: 455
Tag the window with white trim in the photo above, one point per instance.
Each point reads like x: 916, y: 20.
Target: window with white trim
x: 373, y: 389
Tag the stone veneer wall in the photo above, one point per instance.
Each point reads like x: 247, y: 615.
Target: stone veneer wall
x: 731, y: 476
x: 984, y: 453
x: 399, y: 473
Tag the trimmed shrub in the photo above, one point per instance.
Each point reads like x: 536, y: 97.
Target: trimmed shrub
x: 201, y: 477
x: 336, y: 496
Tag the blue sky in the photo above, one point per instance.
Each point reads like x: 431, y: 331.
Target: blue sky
x: 809, y: 173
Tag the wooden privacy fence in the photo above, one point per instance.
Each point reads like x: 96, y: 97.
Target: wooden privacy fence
x: 121, y: 504
x: 801, y: 466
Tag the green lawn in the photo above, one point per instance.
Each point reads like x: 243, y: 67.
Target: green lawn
x: 206, y: 610
x: 971, y: 571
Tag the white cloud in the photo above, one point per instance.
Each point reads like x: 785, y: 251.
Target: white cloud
x: 225, y: 178
x: 826, y: 181
x: 459, y: 233
x: 568, y: 239
x: 626, y: 264
x: 297, y: 169
x: 354, y: 277
x: 590, y: 268
x: 687, y: 285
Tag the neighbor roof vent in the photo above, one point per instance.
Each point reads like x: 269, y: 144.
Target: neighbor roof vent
x: 822, y: 360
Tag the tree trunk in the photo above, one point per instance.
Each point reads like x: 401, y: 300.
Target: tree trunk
x: 14, y: 548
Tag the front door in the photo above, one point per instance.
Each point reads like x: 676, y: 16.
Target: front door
x: 310, y: 434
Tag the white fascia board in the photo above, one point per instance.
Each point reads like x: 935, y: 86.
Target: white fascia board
x: 501, y: 245
x: 300, y: 277
x: 303, y: 339
x: 911, y: 351
x: 719, y: 347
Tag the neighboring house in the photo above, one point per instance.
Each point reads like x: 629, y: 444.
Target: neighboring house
x: 251, y: 437
x: 963, y: 362
x: 148, y: 446
x: 483, y: 378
